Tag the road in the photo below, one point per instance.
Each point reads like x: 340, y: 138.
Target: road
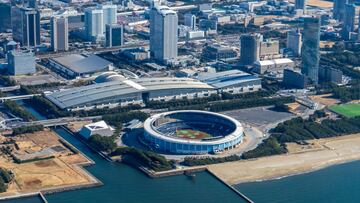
x: 95, y: 51
x: 52, y: 122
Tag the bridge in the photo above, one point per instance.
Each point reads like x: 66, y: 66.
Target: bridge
x: 19, y: 97
x: 9, y: 89
x: 53, y: 122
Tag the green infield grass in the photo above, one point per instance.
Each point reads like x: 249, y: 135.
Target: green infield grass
x: 347, y: 110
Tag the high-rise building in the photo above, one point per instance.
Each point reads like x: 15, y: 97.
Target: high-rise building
x: 190, y: 20
x: 250, y: 48
x: 21, y: 62
x: 94, y: 24
x: 109, y: 14
x: 26, y: 26
x: 351, y: 20
x: 114, y: 35
x: 294, y: 43
x: 300, y: 4
x: 163, y: 33
x: 5, y: 17
x: 59, y: 34
x: 310, y: 55
x: 339, y: 9
x: 32, y: 3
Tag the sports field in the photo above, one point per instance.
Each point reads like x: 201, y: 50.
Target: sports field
x: 192, y: 134
x: 347, y: 110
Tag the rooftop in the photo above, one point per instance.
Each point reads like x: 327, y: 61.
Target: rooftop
x: 82, y: 64
x: 85, y: 94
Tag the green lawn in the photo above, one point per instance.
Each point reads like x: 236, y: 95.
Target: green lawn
x: 347, y: 110
x: 192, y: 134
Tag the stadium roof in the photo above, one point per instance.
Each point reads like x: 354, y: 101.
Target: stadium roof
x: 148, y: 126
x: 226, y: 78
x: 81, y: 64
x: 86, y: 94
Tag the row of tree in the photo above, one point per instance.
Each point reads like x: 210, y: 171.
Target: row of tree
x: 27, y: 129
x: 5, y: 178
x: 141, y: 158
x: 18, y: 110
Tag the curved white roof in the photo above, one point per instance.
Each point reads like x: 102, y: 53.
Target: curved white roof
x: 79, y: 96
x: 149, y: 128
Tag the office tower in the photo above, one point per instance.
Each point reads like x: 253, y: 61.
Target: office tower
x: 300, y: 4
x: 21, y: 62
x: 114, y: 35
x: 32, y: 4
x: 351, y: 20
x: 5, y: 17
x: 109, y: 14
x: 250, y: 48
x: 94, y: 21
x: 190, y: 20
x: 26, y: 26
x: 310, y: 55
x: 294, y: 43
x: 163, y: 33
x: 339, y: 9
x: 59, y: 34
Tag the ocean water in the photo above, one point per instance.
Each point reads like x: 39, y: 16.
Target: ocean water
x: 335, y: 184
x: 125, y: 184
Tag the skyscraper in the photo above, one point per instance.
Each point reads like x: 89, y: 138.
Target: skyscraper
x: 310, y: 55
x: 114, y: 35
x: 250, y: 48
x: 339, y: 9
x: 94, y: 24
x: 5, y: 16
x: 26, y: 26
x: 190, y: 20
x: 109, y: 14
x: 300, y: 4
x: 59, y: 34
x: 294, y: 43
x: 351, y: 20
x: 163, y: 33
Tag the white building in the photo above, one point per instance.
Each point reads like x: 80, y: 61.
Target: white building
x: 163, y: 33
x: 94, y: 24
x: 100, y: 128
x: 59, y: 34
x: 109, y: 14
x: 294, y: 42
x: 272, y: 66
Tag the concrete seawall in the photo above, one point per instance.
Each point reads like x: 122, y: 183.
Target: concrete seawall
x: 231, y: 187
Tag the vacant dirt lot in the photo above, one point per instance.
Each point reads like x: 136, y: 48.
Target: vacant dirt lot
x: 324, y: 99
x: 61, y: 171
x: 317, y: 3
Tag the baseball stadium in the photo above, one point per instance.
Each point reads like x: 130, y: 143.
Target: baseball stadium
x: 192, y: 132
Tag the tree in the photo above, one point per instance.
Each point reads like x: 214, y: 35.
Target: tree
x: 103, y: 143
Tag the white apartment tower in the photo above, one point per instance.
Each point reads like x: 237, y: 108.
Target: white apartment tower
x: 163, y: 33
x: 59, y: 34
x: 109, y: 14
x: 94, y: 24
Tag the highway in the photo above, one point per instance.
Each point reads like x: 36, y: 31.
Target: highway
x: 95, y: 51
x: 52, y: 122
x: 10, y: 88
x: 20, y: 97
